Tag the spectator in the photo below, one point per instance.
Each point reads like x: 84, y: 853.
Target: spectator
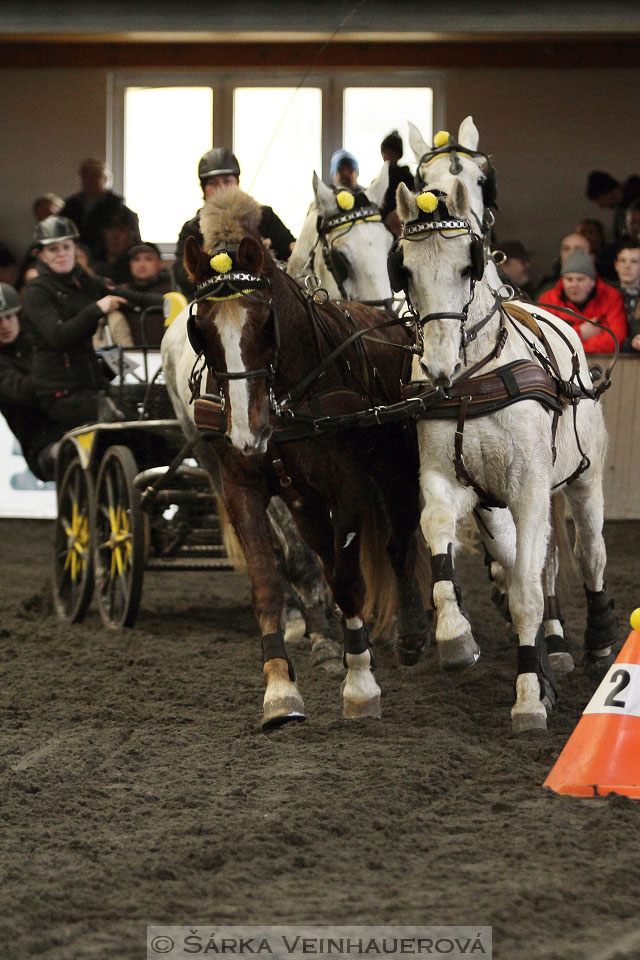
x: 219, y: 169
x: 610, y: 194
x: 392, y: 149
x: 48, y: 205
x: 628, y: 270
x: 147, y: 275
x: 581, y: 290
x: 344, y: 170
x: 94, y: 205
x: 119, y: 232
x: 30, y: 424
x: 65, y: 306
x: 516, y: 269
x: 604, y: 253
x: 568, y: 244
x: 632, y: 221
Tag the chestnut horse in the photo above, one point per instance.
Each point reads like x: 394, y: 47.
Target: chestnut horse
x: 278, y: 357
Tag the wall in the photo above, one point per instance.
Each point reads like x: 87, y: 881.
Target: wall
x: 49, y: 121
x: 546, y: 128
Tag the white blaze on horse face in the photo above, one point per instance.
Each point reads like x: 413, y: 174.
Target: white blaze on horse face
x: 230, y: 322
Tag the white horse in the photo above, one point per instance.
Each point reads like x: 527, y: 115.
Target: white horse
x: 344, y: 243
x: 441, y: 163
x: 513, y: 456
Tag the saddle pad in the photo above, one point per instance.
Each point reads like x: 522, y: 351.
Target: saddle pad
x: 524, y: 317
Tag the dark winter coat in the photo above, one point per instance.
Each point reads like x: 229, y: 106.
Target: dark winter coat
x: 19, y: 405
x: 63, y: 316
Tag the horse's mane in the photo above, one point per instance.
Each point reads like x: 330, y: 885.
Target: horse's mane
x: 228, y: 216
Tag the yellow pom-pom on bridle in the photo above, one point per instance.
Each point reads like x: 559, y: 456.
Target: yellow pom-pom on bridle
x: 221, y: 263
x: 441, y: 138
x: 345, y: 200
x: 427, y: 202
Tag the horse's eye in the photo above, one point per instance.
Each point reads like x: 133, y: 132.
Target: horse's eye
x: 480, y: 181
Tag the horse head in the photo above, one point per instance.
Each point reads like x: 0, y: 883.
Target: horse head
x: 447, y: 159
x: 442, y: 260
x: 350, y: 243
x: 232, y: 320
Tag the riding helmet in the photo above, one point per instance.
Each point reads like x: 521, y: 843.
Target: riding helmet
x: 53, y: 229
x: 9, y: 300
x: 218, y: 162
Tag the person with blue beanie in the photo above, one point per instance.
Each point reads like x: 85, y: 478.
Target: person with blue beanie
x: 344, y: 170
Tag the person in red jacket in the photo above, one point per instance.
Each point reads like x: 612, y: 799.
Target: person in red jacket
x: 581, y: 289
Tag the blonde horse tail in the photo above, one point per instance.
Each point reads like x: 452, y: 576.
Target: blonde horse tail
x: 231, y: 544
x: 381, y: 596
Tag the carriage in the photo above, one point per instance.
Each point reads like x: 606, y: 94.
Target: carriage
x: 130, y: 499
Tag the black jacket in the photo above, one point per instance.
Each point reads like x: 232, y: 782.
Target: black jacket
x: 270, y: 228
x: 91, y: 217
x: 19, y: 405
x: 63, y: 316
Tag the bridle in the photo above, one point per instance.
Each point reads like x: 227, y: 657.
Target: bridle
x: 454, y: 150
x: 363, y: 211
x: 441, y: 222
x: 230, y: 286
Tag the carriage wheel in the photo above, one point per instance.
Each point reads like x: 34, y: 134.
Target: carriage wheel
x: 72, y: 561
x: 118, y: 539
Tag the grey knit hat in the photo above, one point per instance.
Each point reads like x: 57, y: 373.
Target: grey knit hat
x: 579, y: 262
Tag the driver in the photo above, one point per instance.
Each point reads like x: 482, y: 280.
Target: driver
x: 217, y: 170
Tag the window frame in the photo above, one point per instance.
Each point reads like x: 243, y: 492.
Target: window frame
x: 223, y: 83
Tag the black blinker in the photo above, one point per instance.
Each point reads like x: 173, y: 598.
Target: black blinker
x: 339, y: 265
x: 477, y: 259
x: 196, y: 338
x: 398, y: 276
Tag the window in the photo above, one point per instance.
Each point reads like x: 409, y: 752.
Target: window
x: 166, y: 130
x: 163, y: 123
x: 370, y: 113
x: 277, y: 137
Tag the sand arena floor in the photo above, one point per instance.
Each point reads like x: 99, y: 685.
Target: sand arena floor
x: 137, y: 787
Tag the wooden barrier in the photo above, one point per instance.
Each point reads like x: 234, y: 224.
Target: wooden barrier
x: 621, y: 405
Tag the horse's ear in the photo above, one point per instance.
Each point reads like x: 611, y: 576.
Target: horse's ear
x: 195, y: 260
x: 417, y: 142
x: 458, y: 199
x: 406, y: 204
x: 325, y: 197
x: 378, y: 187
x: 251, y: 255
x: 468, y: 135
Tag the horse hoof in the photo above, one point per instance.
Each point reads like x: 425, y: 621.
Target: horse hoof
x: 458, y: 653
x: 522, y: 722
x: 597, y: 662
x: 410, y: 650
x: 360, y: 709
x: 279, y: 712
x: 327, y: 653
x: 561, y: 663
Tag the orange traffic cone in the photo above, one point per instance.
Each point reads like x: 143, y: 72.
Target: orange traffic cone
x: 602, y: 754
